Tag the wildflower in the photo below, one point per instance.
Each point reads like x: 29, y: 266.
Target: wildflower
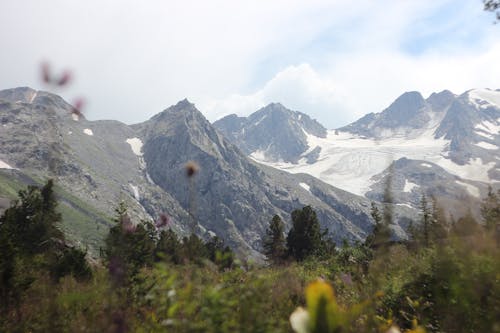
x: 77, y: 106
x: 299, y: 320
x: 162, y: 221
x: 127, y: 225
x: 64, y: 79
x: 191, y: 168
x: 46, y: 72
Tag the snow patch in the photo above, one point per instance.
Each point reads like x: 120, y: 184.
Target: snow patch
x: 474, y: 191
x: 135, y: 145
x: 488, y: 127
x: 427, y: 165
x: 88, y: 131
x: 260, y: 120
x: 33, y: 96
x: 4, y: 165
x: 486, y: 97
x: 486, y: 145
x: 135, y: 190
x: 404, y: 205
x: 148, y: 177
x: 486, y: 135
x: 258, y: 155
x: 409, y: 186
x: 75, y: 117
x: 306, y: 187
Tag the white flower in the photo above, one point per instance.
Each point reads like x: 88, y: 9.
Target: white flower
x: 299, y: 320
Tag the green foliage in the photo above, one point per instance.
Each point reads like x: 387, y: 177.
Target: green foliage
x: 31, y: 242
x: 168, y: 247
x: 490, y: 209
x: 381, y: 233
x: 274, y: 242
x: 305, y: 237
x: 128, y: 247
x: 174, y: 286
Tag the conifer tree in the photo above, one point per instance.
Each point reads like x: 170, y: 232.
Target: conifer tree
x: 168, y: 247
x: 305, y: 237
x: 128, y: 247
x: 381, y: 233
x: 425, y: 220
x: 274, y: 243
x: 490, y: 209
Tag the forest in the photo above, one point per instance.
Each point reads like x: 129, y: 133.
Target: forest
x: 444, y: 278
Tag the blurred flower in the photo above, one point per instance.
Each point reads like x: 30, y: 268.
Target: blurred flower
x: 299, y: 320
x: 77, y: 106
x: 162, y: 221
x: 116, y: 269
x: 346, y: 278
x: 127, y: 225
x: 64, y: 79
x: 46, y: 72
x: 191, y: 168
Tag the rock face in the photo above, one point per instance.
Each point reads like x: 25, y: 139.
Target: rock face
x: 408, y: 112
x: 274, y: 132
x: 232, y: 195
x: 101, y: 163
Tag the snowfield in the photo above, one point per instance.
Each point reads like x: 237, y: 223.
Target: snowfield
x: 135, y: 145
x: 349, y: 162
x: 4, y: 165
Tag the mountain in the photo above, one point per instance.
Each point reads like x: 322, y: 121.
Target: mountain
x: 446, y: 145
x: 274, y: 133
x: 97, y: 164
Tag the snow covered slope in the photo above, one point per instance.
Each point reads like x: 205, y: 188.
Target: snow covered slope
x: 460, y: 134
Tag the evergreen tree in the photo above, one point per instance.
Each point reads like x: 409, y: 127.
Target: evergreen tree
x: 169, y: 247
x: 466, y: 226
x: 305, y: 237
x: 490, y: 209
x: 30, y: 243
x: 381, y: 233
x: 388, y: 200
x: 439, y: 225
x: 425, y: 222
x: 193, y: 249
x: 274, y: 243
x: 218, y: 253
x: 128, y: 247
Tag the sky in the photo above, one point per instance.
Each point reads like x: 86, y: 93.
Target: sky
x: 334, y: 60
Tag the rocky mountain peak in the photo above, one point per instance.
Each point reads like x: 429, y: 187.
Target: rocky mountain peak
x: 273, y: 131
x: 405, y: 106
x: 441, y: 101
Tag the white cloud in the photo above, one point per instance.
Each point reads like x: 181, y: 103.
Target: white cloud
x: 335, y: 60
x: 297, y: 87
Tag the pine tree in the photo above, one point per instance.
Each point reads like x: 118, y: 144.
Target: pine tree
x: 381, y: 233
x: 490, y: 209
x: 169, y: 247
x: 439, y: 225
x: 193, y: 249
x: 305, y: 237
x: 274, y: 243
x: 218, y: 253
x: 128, y: 247
x: 425, y: 220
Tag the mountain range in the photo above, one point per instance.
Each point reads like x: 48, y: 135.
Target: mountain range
x: 249, y: 168
x: 446, y: 145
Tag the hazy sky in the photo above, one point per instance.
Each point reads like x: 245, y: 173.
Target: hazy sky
x: 334, y: 60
